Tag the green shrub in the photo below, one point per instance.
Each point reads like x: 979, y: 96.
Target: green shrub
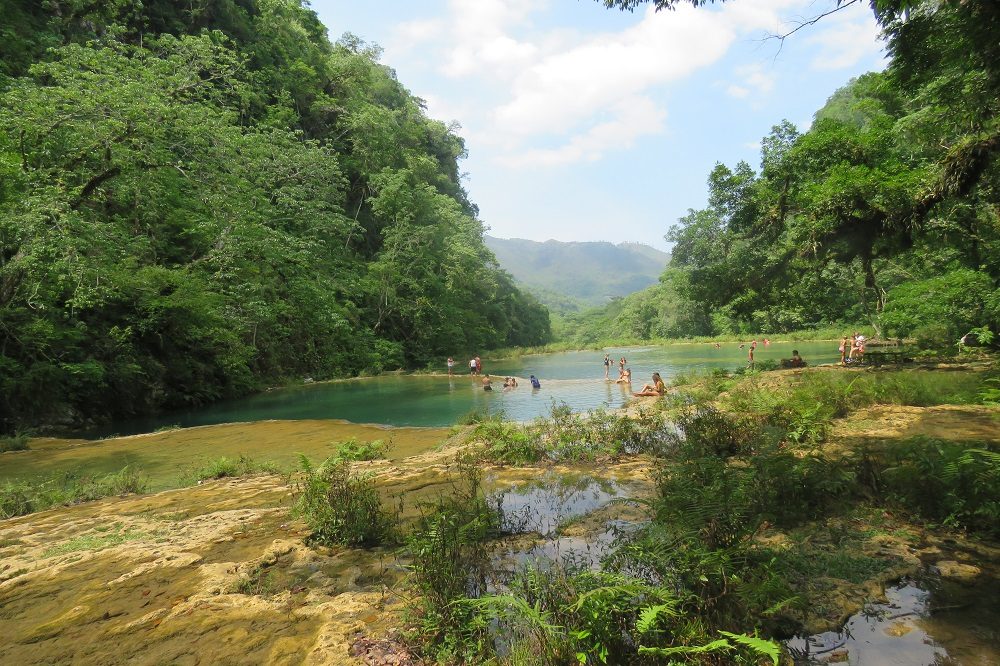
x: 16, y: 499
x: 352, y: 449
x: 938, y: 310
x: 223, y: 467
x: 18, y: 442
x: 788, y: 488
x: 24, y: 497
x: 509, y: 443
x: 708, y: 431
x: 934, y: 336
x: 571, y: 437
x: 946, y: 482
x: 451, y: 561
x: 341, y: 507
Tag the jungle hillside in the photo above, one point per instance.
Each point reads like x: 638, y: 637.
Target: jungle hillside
x: 201, y: 199
x: 568, y: 277
x: 883, y: 213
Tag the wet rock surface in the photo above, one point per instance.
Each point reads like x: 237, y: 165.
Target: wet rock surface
x: 221, y: 572
x: 218, y: 573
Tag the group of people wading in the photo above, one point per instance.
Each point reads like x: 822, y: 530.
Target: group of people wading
x: 852, y: 350
x: 625, y: 377
x: 476, y: 369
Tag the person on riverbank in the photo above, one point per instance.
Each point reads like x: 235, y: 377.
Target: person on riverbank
x: 479, y: 366
x: 535, y: 384
x: 607, y: 365
x: 451, y: 365
x: 472, y: 367
x: 857, y: 340
x: 843, y: 350
x: 794, y: 362
x: 487, y: 384
x: 657, y: 388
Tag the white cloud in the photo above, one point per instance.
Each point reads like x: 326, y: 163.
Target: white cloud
x: 632, y: 118
x: 569, y: 88
x: 845, y: 43
x: 754, y: 80
x: 591, y: 93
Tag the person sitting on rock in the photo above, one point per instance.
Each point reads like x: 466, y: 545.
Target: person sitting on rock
x: 657, y: 388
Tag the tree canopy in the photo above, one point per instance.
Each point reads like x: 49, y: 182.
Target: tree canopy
x: 200, y: 198
x: 884, y: 212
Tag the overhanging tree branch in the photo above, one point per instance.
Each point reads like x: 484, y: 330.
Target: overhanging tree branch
x: 802, y: 24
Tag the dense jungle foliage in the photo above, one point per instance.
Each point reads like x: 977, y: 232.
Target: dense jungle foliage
x: 885, y: 212
x: 197, y: 198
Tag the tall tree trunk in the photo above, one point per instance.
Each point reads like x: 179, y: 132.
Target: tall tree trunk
x: 871, y: 283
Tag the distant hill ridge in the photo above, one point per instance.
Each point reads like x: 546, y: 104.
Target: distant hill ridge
x: 569, y: 276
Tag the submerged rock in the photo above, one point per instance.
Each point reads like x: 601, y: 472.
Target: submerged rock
x: 963, y: 573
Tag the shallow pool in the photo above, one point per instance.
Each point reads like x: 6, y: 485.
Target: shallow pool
x: 574, y: 378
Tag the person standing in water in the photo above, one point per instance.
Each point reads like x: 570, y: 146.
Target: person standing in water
x: 607, y: 365
x: 487, y: 385
x: 451, y: 365
x: 753, y: 346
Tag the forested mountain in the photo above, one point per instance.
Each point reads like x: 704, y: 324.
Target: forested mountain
x: 886, y: 211
x: 200, y: 197
x: 571, y: 276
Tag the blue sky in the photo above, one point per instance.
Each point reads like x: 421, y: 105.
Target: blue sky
x: 587, y: 124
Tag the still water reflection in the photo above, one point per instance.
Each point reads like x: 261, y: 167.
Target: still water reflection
x: 925, y: 622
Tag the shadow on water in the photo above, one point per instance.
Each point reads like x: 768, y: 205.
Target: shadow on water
x: 927, y: 620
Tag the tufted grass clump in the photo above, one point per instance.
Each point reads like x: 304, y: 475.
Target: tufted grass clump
x: 352, y: 449
x: 342, y: 507
x: 566, y: 436
x: 16, y: 442
x: 19, y: 498
x: 224, y: 467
